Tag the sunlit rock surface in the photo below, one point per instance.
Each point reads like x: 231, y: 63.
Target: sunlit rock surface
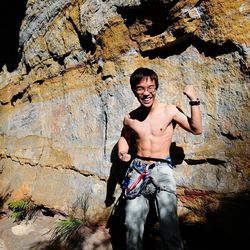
x: 64, y: 94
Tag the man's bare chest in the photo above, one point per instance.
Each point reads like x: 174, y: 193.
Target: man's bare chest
x: 152, y: 127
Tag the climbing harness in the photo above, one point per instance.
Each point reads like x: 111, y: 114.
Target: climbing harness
x: 138, y: 176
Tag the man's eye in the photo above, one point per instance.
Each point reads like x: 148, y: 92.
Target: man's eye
x: 139, y: 89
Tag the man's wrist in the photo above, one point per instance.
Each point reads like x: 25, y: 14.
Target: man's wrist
x: 195, y: 102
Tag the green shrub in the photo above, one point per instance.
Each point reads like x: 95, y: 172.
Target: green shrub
x: 22, y: 209
x: 69, y: 230
x: 66, y: 229
x: 19, y: 209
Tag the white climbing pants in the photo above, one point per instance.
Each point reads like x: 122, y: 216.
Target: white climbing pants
x: 166, y: 208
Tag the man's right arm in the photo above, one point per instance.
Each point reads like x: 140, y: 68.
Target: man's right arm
x: 123, y: 142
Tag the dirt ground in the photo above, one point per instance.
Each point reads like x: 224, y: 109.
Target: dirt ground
x: 36, y: 235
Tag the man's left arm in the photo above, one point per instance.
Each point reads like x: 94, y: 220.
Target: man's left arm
x: 192, y: 124
x: 195, y: 121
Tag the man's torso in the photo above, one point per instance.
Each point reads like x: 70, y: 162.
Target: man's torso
x: 154, y: 131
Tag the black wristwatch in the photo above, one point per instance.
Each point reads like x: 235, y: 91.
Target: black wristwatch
x: 195, y: 103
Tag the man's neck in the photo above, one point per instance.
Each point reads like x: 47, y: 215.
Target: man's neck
x: 144, y: 111
x: 148, y: 109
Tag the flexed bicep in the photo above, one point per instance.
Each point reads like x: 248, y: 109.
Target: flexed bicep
x: 186, y: 122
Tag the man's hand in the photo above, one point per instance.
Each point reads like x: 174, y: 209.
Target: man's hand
x: 190, y: 92
x: 124, y: 156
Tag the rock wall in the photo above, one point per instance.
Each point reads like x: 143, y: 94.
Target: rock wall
x: 64, y: 90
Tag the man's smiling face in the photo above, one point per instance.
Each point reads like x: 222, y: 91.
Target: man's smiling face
x: 145, y: 92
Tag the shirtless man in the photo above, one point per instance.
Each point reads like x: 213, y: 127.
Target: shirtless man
x: 152, y: 125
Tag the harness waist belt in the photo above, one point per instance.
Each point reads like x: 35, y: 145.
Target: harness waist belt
x: 154, y: 159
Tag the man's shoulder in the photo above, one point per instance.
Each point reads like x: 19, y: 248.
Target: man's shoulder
x: 128, y: 117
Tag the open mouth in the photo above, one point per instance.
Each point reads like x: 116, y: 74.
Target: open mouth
x: 146, y: 100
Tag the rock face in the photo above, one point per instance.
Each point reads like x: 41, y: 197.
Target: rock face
x: 66, y: 90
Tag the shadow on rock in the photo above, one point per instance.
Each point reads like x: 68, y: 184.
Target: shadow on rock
x: 226, y: 228
x: 116, y: 221
x: 48, y: 245
x: 4, y: 196
x: 83, y: 237
x: 11, y: 16
x: 176, y: 153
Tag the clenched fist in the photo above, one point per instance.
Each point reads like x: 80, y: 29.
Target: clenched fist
x: 190, y: 92
x: 124, y: 156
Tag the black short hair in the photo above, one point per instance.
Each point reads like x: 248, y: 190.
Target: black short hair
x: 142, y: 73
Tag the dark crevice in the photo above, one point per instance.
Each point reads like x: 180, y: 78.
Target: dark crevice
x: 99, y: 70
x: 209, y: 49
x: 11, y: 16
x: 58, y: 58
x: 3, y: 103
x: 39, y: 82
x: 61, y: 60
x: 232, y: 137
x: 18, y: 96
x: 212, y: 161
x: 106, y: 77
x: 198, y: 3
x: 243, y: 61
x: 104, y: 110
x: 105, y: 133
x: 27, y: 67
x: 86, y: 43
x: 29, y: 98
x: 47, y: 211
x: 156, y: 12
x: 84, y: 39
x: 244, y: 67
